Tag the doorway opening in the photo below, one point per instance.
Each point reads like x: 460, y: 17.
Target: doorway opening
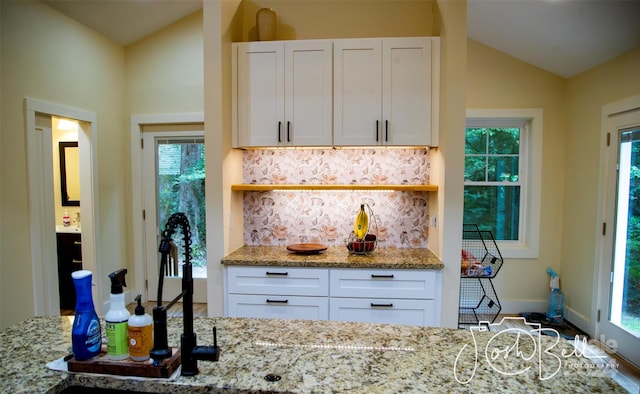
x: 39, y: 119
x: 618, y: 324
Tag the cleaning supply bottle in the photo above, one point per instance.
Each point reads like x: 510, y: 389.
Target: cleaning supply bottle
x: 117, y: 318
x: 555, y: 311
x: 86, y: 334
x: 140, y: 333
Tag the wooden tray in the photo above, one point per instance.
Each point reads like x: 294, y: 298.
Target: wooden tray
x: 101, y: 364
x: 307, y: 248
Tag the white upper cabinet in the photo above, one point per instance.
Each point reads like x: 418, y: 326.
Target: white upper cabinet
x: 386, y: 91
x: 357, y: 91
x: 283, y: 93
x: 346, y: 92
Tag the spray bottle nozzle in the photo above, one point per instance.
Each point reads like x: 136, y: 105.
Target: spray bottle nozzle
x: 554, y: 284
x: 118, y: 280
x: 139, y: 308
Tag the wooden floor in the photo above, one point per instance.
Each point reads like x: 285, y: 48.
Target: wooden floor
x: 199, y: 310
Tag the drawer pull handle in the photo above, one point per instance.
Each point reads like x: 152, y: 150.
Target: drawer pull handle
x: 381, y: 305
x: 77, y: 242
x: 277, y: 273
x: 74, y: 261
x: 382, y: 276
x: 277, y: 301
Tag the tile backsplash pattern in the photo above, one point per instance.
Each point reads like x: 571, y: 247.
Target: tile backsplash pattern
x: 280, y: 218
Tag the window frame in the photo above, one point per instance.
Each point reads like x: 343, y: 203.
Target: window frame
x: 530, y: 173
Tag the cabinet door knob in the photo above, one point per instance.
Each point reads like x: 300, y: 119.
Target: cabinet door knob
x: 77, y: 242
x: 74, y: 261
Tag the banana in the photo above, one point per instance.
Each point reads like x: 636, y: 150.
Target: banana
x: 361, y: 226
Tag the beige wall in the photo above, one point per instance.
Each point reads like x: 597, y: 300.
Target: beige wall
x: 497, y: 80
x: 447, y: 171
x: 165, y: 71
x: 309, y: 19
x: 586, y: 94
x: 49, y: 57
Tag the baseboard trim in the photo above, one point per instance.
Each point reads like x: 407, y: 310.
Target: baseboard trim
x: 517, y: 307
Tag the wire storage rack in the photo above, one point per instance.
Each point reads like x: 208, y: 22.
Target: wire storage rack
x: 480, y: 262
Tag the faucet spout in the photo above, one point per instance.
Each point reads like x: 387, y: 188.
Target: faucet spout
x: 190, y: 351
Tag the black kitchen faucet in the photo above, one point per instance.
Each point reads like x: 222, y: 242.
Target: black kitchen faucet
x: 190, y: 351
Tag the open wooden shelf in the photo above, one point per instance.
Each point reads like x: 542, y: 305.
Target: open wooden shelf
x: 270, y: 187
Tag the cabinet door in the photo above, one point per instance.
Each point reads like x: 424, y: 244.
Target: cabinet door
x: 406, y: 91
x: 357, y: 92
x: 390, y: 311
x: 69, y: 248
x: 279, y: 307
x: 308, y: 93
x: 260, y: 94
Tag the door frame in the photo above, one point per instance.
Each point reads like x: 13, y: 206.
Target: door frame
x: 42, y: 213
x: 136, y: 124
x: 606, y: 196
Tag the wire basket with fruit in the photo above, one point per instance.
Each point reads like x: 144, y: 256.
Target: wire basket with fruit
x: 363, y: 238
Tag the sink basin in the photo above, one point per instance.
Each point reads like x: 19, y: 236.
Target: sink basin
x: 70, y: 229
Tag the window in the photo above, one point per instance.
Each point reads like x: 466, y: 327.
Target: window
x: 502, y: 177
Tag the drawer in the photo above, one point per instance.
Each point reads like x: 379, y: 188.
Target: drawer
x: 278, y: 281
x: 279, y: 307
x: 380, y: 283
x: 376, y: 310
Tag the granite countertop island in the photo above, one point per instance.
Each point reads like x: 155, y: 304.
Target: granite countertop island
x: 319, y: 357
x: 335, y: 257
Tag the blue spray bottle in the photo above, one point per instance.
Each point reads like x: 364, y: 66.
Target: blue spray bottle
x: 86, y: 334
x: 555, y: 310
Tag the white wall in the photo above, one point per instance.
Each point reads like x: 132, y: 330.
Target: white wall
x: 49, y: 57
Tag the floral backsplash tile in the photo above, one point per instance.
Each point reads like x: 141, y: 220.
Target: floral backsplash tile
x: 280, y: 218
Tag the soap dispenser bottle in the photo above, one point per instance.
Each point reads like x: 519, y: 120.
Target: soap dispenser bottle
x: 117, y: 318
x: 140, y: 333
x: 86, y: 334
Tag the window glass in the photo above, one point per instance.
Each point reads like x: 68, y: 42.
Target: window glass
x: 492, y: 180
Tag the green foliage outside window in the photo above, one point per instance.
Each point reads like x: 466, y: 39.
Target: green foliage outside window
x: 181, y: 188
x: 492, y: 174
x: 631, y: 294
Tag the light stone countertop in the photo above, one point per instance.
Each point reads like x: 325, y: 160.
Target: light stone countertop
x: 321, y: 357
x: 335, y: 257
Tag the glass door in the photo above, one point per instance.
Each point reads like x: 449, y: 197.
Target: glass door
x: 174, y: 182
x: 621, y: 276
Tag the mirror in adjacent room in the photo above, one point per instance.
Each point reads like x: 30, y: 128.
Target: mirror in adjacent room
x: 69, y: 173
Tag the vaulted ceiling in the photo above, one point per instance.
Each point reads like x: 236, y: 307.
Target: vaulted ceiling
x: 565, y: 37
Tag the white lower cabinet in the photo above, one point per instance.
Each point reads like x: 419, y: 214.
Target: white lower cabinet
x: 411, y: 297
x: 282, y: 307
x: 385, y: 296
x: 378, y: 310
x: 278, y: 292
